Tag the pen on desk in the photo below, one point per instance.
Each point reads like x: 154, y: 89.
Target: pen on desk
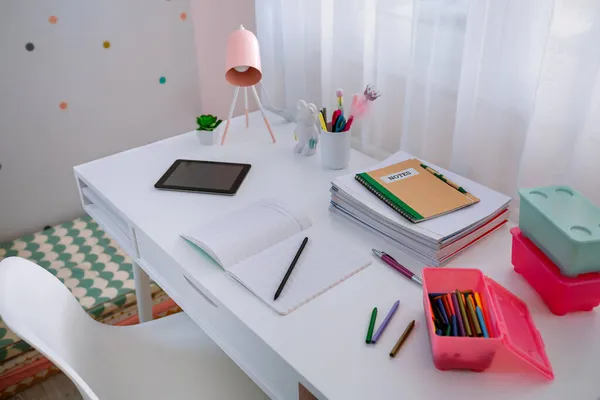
x: 290, y: 269
x: 403, y: 338
x: 389, y: 260
x: 385, y: 322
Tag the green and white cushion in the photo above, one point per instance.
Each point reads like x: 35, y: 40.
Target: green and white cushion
x: 86, y: 260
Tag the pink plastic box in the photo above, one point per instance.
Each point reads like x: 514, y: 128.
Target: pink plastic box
x: 562, y: 294
x: 511, y: 325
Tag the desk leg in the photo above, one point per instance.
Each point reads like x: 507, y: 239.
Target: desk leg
x: 142, y: 293
x: 304, y: 394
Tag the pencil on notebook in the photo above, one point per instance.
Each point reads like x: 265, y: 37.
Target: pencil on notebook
x: 448, y: 181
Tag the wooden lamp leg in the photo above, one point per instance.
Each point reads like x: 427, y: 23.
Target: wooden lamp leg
x: 236, y: 91
x: 246, y: 104
x: 262, y: 111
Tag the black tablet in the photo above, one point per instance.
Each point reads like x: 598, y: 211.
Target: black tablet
x: 204, y: 176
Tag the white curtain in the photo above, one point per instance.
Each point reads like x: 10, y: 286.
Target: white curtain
x: 506, y: 92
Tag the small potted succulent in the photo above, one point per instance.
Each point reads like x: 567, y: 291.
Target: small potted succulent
x: 209, y: 129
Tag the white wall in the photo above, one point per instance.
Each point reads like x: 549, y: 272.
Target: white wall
x: 214, y: 21
x: 115, y: 100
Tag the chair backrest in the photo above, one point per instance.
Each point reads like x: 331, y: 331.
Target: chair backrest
x: 42, y: 311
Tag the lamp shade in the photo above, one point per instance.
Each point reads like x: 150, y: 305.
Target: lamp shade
x: 243, y: 59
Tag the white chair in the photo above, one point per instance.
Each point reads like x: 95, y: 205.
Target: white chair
x: 169, y: 358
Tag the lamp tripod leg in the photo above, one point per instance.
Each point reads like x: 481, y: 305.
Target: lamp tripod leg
x: 262, y: 111
x: 246, y: 104
x: 236, y: 91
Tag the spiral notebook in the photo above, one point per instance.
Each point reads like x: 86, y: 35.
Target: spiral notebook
x: 415, y: 191
x: 256, y: 244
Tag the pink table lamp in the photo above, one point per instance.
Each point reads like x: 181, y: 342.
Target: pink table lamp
x: 243, y: 69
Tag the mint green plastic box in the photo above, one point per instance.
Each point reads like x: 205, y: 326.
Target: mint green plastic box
x: 564, y: 225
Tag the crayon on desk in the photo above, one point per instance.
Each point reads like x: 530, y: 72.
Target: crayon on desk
x: 371, y: 325
x: 403, y: 338
x: 385, y: 322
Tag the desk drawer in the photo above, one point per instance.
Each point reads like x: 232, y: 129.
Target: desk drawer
x: 273, y: 375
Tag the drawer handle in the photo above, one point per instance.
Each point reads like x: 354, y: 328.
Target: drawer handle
x: 200, y: 292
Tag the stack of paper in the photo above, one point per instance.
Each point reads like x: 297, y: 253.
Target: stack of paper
x: 434, y: 241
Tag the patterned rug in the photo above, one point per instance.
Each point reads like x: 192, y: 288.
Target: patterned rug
x: 98, y: 273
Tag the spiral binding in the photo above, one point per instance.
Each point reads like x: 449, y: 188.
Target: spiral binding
x: 383, y: 198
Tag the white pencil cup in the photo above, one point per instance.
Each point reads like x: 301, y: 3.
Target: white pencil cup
x: 335, y: 149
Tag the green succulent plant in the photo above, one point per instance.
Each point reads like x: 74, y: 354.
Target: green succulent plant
x: 207, y: 122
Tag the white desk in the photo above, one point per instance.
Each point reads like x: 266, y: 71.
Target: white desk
x: 321, y: 345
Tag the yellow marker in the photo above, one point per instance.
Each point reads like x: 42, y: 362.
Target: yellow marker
x: 323, y: 125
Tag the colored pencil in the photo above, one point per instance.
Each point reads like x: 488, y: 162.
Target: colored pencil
x: 403, y: 338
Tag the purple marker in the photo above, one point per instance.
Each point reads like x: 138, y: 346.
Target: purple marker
x: 386, y: 321
x: 461, y: 326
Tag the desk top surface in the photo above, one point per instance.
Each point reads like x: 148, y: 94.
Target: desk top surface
x: 324, y: 339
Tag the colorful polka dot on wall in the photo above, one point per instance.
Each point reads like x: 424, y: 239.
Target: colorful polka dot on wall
x: 106, y: 44
x: 52, y: 19
x: 63, y: 105
x: 29, y: 46
x: 183, y: 16
x: 162, y: 80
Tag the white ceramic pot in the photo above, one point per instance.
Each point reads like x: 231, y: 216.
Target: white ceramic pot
x: 209, y: 138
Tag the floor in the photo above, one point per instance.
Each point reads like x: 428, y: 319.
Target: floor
x: 56, y: 388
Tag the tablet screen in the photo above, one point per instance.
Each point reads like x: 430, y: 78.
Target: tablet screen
x: 204, y: 176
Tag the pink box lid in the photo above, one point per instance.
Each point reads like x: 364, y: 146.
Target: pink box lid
x: 521, y: 337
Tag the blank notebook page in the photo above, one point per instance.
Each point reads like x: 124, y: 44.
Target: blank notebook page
x: 325, y: 262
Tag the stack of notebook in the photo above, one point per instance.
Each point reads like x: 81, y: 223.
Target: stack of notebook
x: 431, y: 213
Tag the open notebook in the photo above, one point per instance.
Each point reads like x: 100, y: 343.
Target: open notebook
x: 256, y: 245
